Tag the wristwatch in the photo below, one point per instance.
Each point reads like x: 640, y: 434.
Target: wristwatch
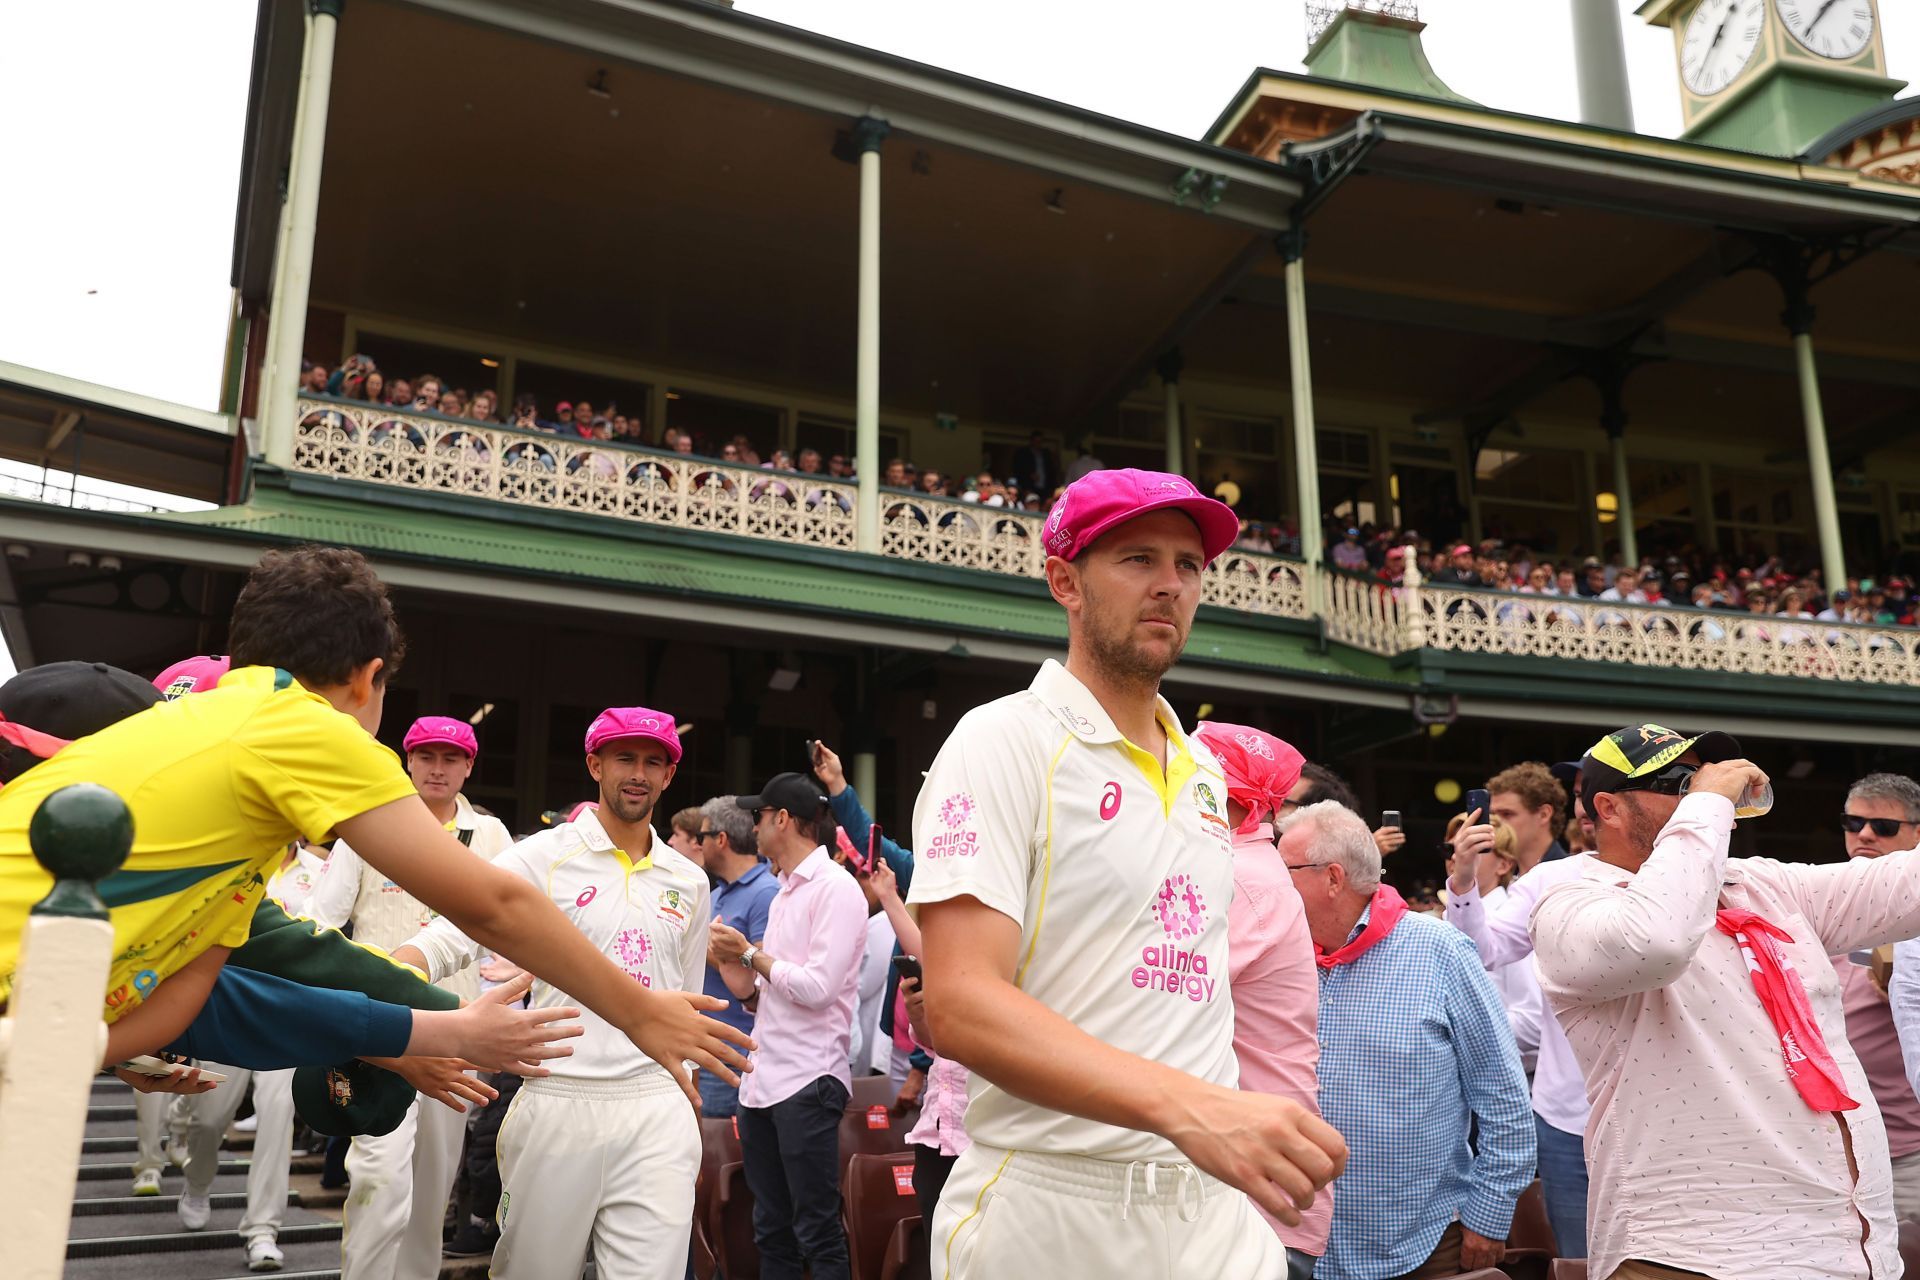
x: 746, y: 957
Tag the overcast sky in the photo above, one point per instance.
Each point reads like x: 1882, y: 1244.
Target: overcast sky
x: 114, y: 258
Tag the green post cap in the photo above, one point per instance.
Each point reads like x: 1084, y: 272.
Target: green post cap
x: 80, y: 834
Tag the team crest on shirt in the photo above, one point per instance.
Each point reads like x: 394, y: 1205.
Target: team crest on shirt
x: 673, y: 908
x: 1209, y: 805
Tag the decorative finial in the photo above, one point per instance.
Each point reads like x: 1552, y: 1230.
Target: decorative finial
x: 80, y: 834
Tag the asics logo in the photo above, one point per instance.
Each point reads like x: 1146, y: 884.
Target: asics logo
x: 1110, y: 802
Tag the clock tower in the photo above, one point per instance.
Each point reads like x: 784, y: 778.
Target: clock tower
x: 1772, y: 76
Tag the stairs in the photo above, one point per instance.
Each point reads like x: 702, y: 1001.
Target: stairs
x: 128, y: 1237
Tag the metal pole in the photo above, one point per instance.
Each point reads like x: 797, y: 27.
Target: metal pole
x: 293, y: 275
x: 1826, y: 512
x: 1306, y: 460
x: 1623, y: 497
x: 1600, y: 60
x: 865, y: 771
x: 1170, y: 381
x: 868, y: 134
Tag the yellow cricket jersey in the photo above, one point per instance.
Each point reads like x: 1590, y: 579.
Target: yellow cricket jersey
x: 218, y: 784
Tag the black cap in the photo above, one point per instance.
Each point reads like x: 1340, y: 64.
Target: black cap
x: 794, y: 792
x: 73, y: 699
x: 1643, y: 749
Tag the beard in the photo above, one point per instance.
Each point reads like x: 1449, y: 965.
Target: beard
x: 1110, y: 643
x: 1642, y: 829
x: 633, y: 812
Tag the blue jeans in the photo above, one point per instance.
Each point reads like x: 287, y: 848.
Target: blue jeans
x: 1563, y: 1179
x: 718, y: 1099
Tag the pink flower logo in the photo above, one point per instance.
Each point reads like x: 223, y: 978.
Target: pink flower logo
x: 632, y: 949
x: 956, y: 809
x: 1181, y: 908
x: 1110, y: 802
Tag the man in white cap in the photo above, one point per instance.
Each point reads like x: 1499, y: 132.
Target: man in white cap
x: 1074, y: 864
x: 401, y: 1180
x: 604, y: 1151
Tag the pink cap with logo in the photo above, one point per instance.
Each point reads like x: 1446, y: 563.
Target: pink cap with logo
x: 1100, y: 500
x: 634, y: 722
x: 441, y: 731
x: 191, y: 675
x: 1261, y: 769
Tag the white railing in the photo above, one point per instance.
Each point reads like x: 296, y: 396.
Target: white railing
x: 685, y: 491
x: 564, y: 473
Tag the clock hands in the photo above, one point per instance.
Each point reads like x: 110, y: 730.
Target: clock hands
x: 1721, y: 30
x: 1816, y: 17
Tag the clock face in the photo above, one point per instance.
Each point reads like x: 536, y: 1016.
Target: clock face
x: 1720, y: 40
x: 1831, y: 28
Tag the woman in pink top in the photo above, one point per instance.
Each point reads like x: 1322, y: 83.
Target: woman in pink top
x: 1270, y: 967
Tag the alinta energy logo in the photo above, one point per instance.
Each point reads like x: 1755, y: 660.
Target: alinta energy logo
x: 632, y: 949
x: 959, y: 840
x: 1182, y: 911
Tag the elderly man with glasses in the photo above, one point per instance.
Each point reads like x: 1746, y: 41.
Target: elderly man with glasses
x: 743, y: 893
x: 1734, y: 1132
x: 1882, y: 816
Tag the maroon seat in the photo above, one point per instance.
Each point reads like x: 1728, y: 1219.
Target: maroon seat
x: 719, y: 1147
x: 1485, y: 1273
x: 1568, y: 1269
x: 907, y: 1252
x: 1910, y: 1247
x: 739, y: 1256
x: 1530, y: 1241
x: 860, y: 1137
x: 869, y: 1090
x: 876, y: 1196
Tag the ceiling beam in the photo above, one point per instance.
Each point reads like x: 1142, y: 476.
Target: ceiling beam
x: 63, y: 424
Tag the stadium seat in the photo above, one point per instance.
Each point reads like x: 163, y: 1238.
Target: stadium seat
x: 907, y: 1252
x: 1910, y: 1247
x: 860, y: 1136
x: 700, y: 1253
x: 1485, y: 1273
x: 739, y: 1256
x: 1530, y: 1242
x: 719, y: 1147
x: 869, y: 1090
x: 1568, y: 1269
x: 876, y: 1196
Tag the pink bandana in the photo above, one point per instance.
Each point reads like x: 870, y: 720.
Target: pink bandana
x: 1804, y: 1050
x: 1387, y: 908
x: 1260, y: 768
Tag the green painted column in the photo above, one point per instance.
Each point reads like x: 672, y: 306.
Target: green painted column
x: 868, y: 134
x: 1798, y: 317
x: 1169, y: 368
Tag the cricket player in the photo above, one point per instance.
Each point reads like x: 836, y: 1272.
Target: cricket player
x: 401, y: 1179
x: 1074, y: 865
x: 604, y: 1151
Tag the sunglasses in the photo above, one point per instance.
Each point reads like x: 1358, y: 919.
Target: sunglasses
x: 1670, y: 781
x: 704, y: 836
x: 1885, y: 828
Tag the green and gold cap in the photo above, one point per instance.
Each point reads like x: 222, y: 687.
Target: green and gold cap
x: 351, y: 1099
x: 1641, y: 750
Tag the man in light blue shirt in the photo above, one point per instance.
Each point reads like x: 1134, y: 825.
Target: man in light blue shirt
x: 1416, y: 1056
x: 744, y: 889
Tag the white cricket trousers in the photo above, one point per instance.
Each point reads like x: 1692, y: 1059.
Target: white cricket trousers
x: 1003, y: 1211
x: 397, y: 1200
x: 272, y: 1154
x: 606, y: 1163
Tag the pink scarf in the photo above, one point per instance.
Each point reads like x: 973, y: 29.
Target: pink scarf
x: 1804, y: 1050
x: 1387, y: 908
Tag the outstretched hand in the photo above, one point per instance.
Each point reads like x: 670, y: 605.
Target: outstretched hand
x: 499, y: 1037
x: 185, y: 1080
x: 676, y: 1031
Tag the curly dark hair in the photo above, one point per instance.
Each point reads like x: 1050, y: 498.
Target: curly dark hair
x: 319, y: 613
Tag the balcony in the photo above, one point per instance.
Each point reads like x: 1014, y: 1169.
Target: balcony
x: 1451, y: 627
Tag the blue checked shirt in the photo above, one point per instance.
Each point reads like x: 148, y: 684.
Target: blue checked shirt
x: 1414, y: 1049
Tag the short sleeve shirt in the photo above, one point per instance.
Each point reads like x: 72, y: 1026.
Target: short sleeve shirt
x: 219, y: 783
x: 1119, y: 875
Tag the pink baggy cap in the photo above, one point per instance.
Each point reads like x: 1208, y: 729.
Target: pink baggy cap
x: 634, y: 722
x: 191, y: 675
x: 441, y: 731
x: 1100, y: 500
x: 1261, y: 769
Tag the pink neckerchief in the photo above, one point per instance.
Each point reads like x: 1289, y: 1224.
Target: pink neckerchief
x: 1804, y: 1050
x: 1384, y: 913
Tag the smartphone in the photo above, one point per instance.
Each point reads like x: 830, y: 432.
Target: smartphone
x: 1479, y: 801
x: 909, y: 967
x: 1390, y: 818
x: 813, y: 752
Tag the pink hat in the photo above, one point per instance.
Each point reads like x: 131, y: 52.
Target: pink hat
x: 441, y: 731
x: 1261, y: 769
x: 1463, y: 550
x: 191, y: 675
x: 1099, y: 500
x: 634, y: 722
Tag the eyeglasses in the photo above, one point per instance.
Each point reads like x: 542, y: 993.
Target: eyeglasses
x: 1303, y: 866
x: 1885, y: 828
x: 704, y: 836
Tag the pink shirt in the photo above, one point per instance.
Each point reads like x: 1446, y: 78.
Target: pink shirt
x: 943, y: 1109
x: 1702, y: 1154
x: 816, y: 934
x: 1276, y: 1000
x: 1877, y: 1044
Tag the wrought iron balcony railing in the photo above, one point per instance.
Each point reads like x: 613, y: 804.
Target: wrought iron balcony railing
x: 429, y: 452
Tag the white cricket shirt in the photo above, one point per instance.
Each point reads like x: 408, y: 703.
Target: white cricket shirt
x: 1119, y: 875
x: 647, y: 915
x: 383, y: 914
